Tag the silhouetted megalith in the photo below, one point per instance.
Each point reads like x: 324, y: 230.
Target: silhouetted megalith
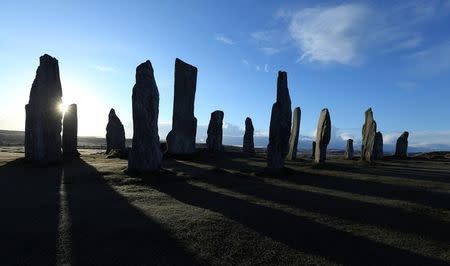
x: 378, y: 152
x: 115, y: 135
x: 313, y: 152
x: 215, y: 132
x: 248, y: 143
x: 280, y: 125
x: 349, y: 150
x: 43, y: 121
x: 401, y: 148
x: 70, y: 131
x: 145, y: 153
x: 369, y: 130
x: 323, y: 136
x: 293, y: 139
x: 181, y: 139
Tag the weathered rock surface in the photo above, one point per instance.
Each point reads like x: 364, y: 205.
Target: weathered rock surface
x: 215, y: 132
x: 181, y: 139
x: 280, y: 125
x: 145, y: 154
x: 115, y: 135
x: 70, y: 131
x: 43, y: 118
x: 323, y: 136
x: 401, y: 148
x: 368, y: 137
x: 248, y: 143
x: 378, y: 152
x: 313, y: 151
x: 293, y: 139
x: 349, y: 150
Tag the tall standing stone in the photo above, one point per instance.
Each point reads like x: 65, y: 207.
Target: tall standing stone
x: 313, y: 151
x: 70, y: 131
x: 368, y: 137
x: 215, y: 132
x: 145, y: 153
x: 115, y: 134
x: 248, y: 143
x: 293, y: 139
x: 349, y: 150
x: 43, y: 121
x: 280, y: 125
x: 378, y: 152
x: 181, y: 139
x: 323, y: 136
x: 401, y: 148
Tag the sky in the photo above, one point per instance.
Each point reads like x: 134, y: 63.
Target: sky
x: 347, y: 56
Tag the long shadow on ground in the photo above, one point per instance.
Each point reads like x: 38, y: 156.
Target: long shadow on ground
x: 297, y: 232
x: 358, y: 211
x: 29, y: 205
x: 362, y: 187
x: 107, y: 230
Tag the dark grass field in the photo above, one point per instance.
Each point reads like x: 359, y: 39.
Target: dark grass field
x: 225, y: 210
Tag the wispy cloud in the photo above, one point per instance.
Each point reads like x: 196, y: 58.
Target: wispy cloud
x: 431, y: 61
x: 266, y: 68
x: 258, y: 68
x: 270, y: 50
x: 348, y: 33
x: 245, y: 62
x: 224, y: 39
x: 106, y: 69
x: 407, y: 85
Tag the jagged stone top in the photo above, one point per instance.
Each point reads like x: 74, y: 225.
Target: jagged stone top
x: 144, y: 74
x: 47, y: 83
x: 112, y: 112
x: 184, y: 65
x: 248, y: 123
x: 404, y: 135
x: 282, y: 88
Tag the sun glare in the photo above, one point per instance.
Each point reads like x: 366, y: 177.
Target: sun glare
x: 62, y: 107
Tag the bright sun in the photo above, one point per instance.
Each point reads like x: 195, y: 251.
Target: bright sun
x: 62, y: 107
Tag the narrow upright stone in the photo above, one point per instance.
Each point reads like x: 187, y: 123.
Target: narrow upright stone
x: 401, y: 148
x: 349, y: 151
x: 145, y: 153
x: 323, y: 136
x: 115, y: 135
x: 293, y: 139
x: 70, y: 131
x: 313, y: 151
x: 43, y: 121
x: 378, y: 152
x: 181, y: 139
x: 215, y: 132
x: 248, y: 143
x: 280, y: 125
x: 368, y: 137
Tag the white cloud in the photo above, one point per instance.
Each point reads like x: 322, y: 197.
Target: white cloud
x: 431, y: 61
x: 245, y: 62
x: 222, y: 38
x: 330, y: 34
x: 266, y: 68
x: 258, y: 68
x: 262, y: 35
x: 270, y: 50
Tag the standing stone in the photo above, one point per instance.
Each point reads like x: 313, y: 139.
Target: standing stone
x: 313, y: 151
x: 43, y: 121
x: 280, y: 125
x: 145, y: 153
x: 248, y: 145
x: 215, y: 132
x: 115, y: 135
x: 293, y: 139
x: 70, y: 131
x: 401, y: 149
x: 181, y: 139
x: 28, y: 145
x: 368, y: 137
x: 349, y: 151
x: 378, y: 152
x: 323, y: 136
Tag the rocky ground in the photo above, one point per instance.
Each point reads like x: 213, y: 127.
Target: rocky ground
x: 224, y: 210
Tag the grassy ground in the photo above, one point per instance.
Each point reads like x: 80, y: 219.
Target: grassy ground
x: 224, y: 210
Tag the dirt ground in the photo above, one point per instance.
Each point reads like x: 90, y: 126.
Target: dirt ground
x: 224, y: 210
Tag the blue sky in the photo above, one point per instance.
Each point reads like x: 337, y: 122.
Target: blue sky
x: 393, y: 56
